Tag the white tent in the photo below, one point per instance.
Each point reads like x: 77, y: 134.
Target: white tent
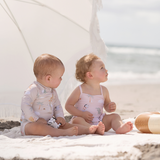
x: 28, y: 28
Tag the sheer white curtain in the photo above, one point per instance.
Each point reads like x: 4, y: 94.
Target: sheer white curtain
x: 66, y: 29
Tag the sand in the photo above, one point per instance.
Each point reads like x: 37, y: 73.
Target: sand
x: 134, y: 99
x: 131, y: 100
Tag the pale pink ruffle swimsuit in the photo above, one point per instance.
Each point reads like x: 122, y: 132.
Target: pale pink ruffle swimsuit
x: 91, y: 103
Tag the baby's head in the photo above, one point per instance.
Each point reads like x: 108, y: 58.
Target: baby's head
x: 47, y: 65
x: 83, y: 66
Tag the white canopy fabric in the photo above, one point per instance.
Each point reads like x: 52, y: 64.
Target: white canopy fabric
x: 29, y: 28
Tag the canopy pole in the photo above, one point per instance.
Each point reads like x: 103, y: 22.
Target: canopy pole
x: 15, y: 22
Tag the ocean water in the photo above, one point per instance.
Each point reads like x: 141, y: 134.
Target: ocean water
x: 129, y: 65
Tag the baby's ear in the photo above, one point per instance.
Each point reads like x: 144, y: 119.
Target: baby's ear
x: 48, y: 77
x: 89, y: 75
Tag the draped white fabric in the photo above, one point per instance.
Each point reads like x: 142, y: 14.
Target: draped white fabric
x: 28, y: 28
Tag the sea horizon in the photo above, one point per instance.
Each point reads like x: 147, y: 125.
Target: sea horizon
x: 132, y: 64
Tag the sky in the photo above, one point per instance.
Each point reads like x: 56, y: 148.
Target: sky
x: 130, y: 22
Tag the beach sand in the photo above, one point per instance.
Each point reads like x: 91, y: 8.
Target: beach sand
x: 131, y: 100
x: 134, y: 99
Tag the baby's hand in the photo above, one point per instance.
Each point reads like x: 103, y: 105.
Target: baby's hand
x: 87, y: 116
x: 111, y: 107
x: 60, y: 120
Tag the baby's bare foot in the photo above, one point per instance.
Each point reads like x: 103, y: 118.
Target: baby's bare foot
x: 92, y: 129
x: 124, y: 128
x: 71, y: 131
x: 100, y: 128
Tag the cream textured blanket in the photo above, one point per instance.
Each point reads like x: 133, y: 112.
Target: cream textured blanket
x: 109, y: 146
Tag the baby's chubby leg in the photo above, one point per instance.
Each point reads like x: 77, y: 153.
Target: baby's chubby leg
x: 82, y: 129
x: 42, y: 129
x: 83, y: 126
x: 124, y: 128
x: 98, y: 129
x: 114, y: 121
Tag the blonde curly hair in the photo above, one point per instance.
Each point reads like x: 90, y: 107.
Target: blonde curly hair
x: 45, y: 64
x: 83, y: 66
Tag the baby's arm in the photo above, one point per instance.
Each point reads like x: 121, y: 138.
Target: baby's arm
x: 72, y: 100
x: 108, y: 105
x: 58, y: 111
x: 26, y: 104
